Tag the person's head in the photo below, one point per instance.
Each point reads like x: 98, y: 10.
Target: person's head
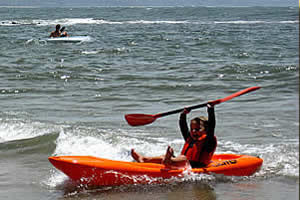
x: 198, y: 127
x: 57, y: 27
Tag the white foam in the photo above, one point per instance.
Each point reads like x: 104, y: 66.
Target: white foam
x: 156, y: 22
x: 105, y: 145
x: 74, y: 21
x: 239, y: 22
x: 280, y: 159
x: 55, y: 178
x: 256, y: 22
x: 70, y: 144
x: 19, y: 130
x: 90, y: 52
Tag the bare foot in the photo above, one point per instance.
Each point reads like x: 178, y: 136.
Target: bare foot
x: 137, y: 157
x: 169, y: 154
x: 179, y: 162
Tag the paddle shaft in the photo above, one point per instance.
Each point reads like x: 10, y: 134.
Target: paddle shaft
x: 180, y: 110
x: 215, y: 102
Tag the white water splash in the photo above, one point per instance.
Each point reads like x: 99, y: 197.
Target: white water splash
x: 74, y: 21
x: 18, y: 130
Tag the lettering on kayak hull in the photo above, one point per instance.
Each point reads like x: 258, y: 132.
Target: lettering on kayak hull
x: 227, y: 162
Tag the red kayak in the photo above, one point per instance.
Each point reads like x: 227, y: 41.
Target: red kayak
x: 95, y: 171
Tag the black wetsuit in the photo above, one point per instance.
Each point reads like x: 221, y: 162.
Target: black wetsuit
x: 210, y: 142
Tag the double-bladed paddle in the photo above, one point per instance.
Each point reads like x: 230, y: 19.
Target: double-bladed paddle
x: 143, y: 119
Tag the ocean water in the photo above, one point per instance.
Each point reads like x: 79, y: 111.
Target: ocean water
x: 71, y: 98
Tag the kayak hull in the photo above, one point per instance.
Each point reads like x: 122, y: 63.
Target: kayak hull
x: 69, y: 39
x: 95, y: 171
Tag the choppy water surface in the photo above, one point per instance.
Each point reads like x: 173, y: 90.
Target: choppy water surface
x: 71, y: 98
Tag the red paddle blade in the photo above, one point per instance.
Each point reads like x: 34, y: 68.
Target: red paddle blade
x: 139, y: 119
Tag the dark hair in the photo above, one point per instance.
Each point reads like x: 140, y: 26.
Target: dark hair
x: 57, y: 26
x: 62, y: 29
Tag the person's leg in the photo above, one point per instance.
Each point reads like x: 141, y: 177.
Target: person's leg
x: 139, y: 158
x: 175, y: 162
x: 168, y: 160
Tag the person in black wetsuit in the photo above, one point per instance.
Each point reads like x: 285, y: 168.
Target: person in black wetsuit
x: 200, y: 143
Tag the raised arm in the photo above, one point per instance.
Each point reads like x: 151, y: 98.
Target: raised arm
x: 183, y: 125
x: 211, y: 121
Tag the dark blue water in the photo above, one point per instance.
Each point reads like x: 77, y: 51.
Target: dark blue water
x: 71, y: 98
